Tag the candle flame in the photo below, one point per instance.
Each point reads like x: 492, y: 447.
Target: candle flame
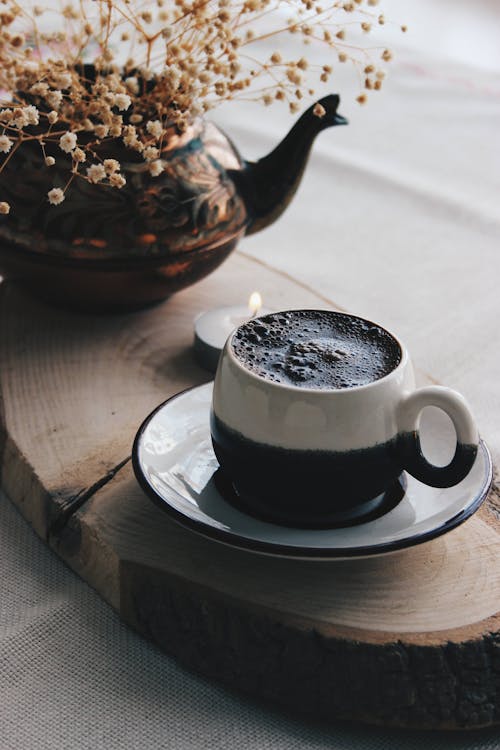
x: 254, y: 303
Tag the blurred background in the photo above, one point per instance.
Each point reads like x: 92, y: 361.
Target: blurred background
x: 462, y: 31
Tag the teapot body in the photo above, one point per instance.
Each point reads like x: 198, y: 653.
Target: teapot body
x: 170, y: 224
x: 193, y: 203
x: 110, y: 249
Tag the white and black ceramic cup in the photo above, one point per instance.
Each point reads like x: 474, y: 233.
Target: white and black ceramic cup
x: 315, y: 456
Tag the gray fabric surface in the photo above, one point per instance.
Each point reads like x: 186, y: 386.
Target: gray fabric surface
x: 73, y: 676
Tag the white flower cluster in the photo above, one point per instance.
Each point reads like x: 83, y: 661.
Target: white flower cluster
x: 194, y: 55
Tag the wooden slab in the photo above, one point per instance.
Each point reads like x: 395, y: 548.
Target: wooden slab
x: 409, y: 639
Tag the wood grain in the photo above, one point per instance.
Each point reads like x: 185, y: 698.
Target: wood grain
x: 409, y: 639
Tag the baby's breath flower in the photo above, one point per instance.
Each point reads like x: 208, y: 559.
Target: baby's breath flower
x: 150, y: 153
x: 319, y: 110
x: 155, y: 128
x: 132, y: 84
x: 79, y: 155
x: 67, y: 142
x: 40, y: 88
x: 49, y: 161
x: 63, y: 80
x: 4, y: 208
x: 32, y: 115
x: 101, y: 131
x: 122, y: 101
x: 5, y: 144
x: 111, y: 166
x: 17, y: 40
x: 52, y: 117
x: 19, y: 119
x: 294, y: 77
x: 96, y: 173
x: 55, y: 196
x: 117, y: 180
x: 54, y: 99
x: 129, y: 135
x: 7, y: 18
x: 156, y: 167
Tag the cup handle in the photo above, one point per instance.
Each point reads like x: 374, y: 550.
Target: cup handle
x: 409, y: 448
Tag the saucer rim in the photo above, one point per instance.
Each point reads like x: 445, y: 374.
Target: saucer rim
x: 232, y: 539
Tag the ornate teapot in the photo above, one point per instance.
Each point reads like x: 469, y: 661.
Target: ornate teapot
x: 112, y: 249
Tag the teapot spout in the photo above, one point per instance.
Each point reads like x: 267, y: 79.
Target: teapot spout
x: 268, y: 185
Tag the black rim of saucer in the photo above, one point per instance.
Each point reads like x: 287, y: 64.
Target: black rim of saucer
x: 271, y: 548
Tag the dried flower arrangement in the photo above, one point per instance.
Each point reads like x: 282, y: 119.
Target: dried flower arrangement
x: 81, y: 75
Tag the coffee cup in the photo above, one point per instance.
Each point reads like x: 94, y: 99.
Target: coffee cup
x: 315, y: 419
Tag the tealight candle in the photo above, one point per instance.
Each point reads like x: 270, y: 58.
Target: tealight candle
x: 212, y: 328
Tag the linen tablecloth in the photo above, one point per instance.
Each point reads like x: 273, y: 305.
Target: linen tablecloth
x: 397, y: 220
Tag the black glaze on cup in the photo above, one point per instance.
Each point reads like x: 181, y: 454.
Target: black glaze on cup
x: 415, y: 463
x: 336, y: 488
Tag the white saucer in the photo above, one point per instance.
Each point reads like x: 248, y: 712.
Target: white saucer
x: 175, y: 464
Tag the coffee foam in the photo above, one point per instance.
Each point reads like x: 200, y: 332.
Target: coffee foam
x: 316, y: 349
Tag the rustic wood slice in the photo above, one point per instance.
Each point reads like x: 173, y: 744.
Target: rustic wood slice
x: 407, y: 639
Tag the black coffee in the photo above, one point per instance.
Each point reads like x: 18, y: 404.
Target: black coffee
x: 316, y: 349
